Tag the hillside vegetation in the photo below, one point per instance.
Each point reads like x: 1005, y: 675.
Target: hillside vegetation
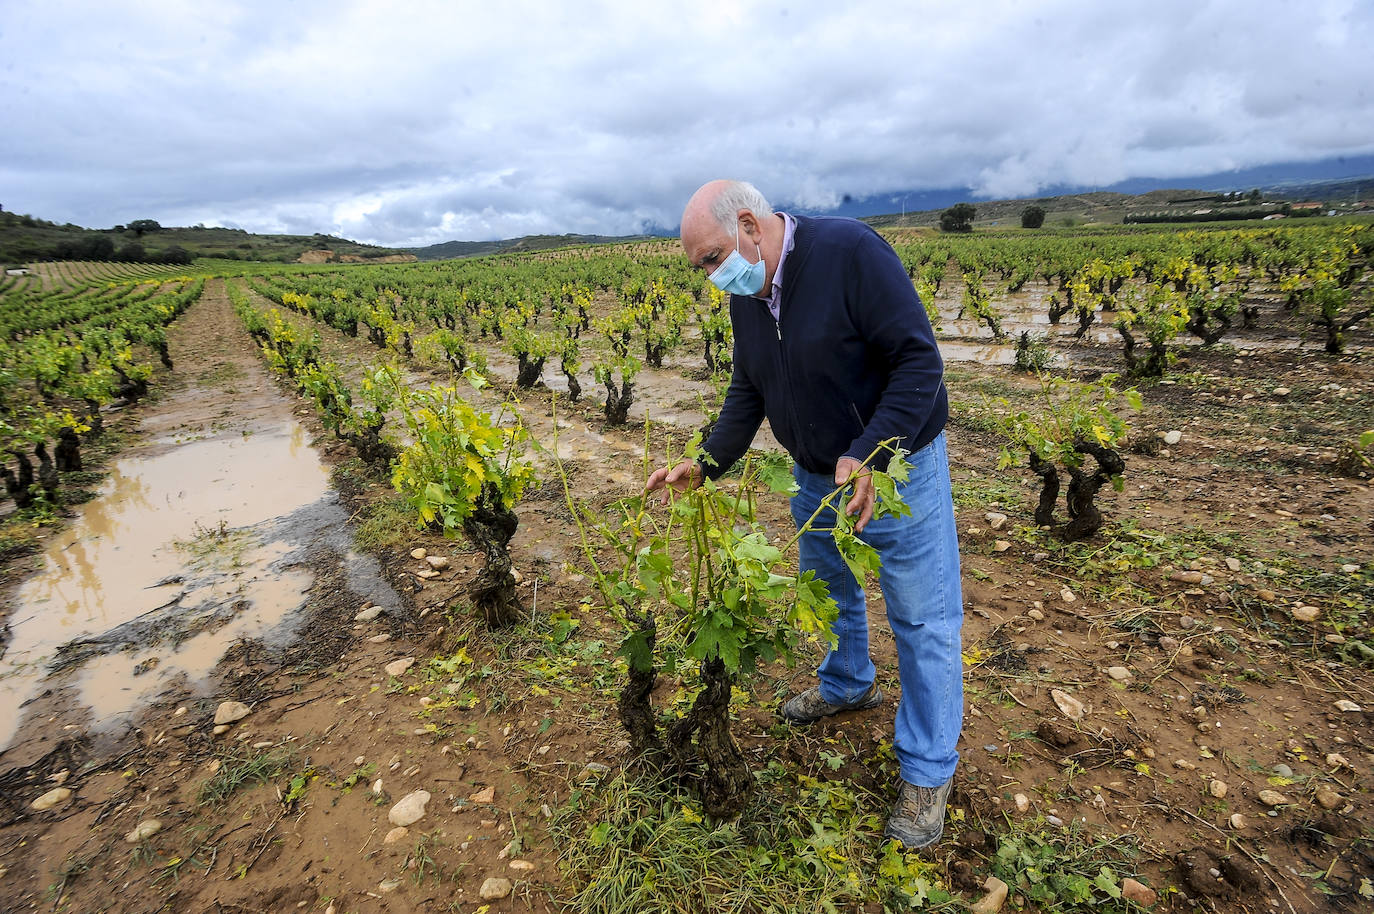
x: 26, y: 239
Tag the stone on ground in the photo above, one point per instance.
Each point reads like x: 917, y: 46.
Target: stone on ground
x: 52, y: 799
x: 992, y: 902
x: 409, y: 809
x: 231, y: 712
x: 145, y: 829
x: 1071, y: 707
x: 1138, y: 892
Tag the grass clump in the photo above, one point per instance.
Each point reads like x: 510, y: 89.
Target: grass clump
x: 1066, y: 869
x: 804, y: 844
x: 386, y: 525
x: 237, y: 772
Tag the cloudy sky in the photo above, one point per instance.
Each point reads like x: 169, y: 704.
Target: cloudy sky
x: 408, y: 123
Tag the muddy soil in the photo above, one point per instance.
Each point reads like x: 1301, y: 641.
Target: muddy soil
x: 1176, y: 632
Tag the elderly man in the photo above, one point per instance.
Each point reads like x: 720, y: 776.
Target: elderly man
x: 833, y: 346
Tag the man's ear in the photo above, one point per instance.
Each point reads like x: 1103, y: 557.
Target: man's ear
x: 750, y: 225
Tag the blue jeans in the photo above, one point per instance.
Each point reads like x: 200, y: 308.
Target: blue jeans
x: 920, y: 584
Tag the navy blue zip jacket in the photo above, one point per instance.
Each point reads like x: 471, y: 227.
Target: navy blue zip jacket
x: 851, y: 362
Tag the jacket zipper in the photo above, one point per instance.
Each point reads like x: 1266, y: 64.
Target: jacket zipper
x: 791, y: 400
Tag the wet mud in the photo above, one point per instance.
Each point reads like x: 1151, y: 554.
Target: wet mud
x: 213, y: 531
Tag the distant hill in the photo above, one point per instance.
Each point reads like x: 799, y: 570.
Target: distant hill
x: 450, y: 250
x: 25, y: 239
x: 1109, y: 207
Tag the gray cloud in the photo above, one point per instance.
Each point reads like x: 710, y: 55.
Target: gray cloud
x: 437, y: 120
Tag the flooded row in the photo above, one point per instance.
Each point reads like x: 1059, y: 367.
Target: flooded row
x: 180, y: 554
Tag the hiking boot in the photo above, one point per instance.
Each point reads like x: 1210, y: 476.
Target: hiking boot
x: 918, y: 819
x: 808, y: 707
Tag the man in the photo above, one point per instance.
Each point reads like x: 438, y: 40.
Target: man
x: 834, y: 347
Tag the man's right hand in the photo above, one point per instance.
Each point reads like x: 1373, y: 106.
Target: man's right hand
x: 684, y: 476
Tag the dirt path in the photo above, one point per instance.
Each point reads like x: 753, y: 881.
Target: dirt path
x: 215, y: 564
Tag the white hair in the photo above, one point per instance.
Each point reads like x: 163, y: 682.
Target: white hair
x: 738, y: 195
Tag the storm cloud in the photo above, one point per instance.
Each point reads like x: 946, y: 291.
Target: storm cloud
x: 408, y: 124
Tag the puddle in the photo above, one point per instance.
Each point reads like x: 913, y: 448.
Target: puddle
x: 180, y: 554
x: 986, y: 354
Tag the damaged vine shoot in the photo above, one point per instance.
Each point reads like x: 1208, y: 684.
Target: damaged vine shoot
x: 702, y: 582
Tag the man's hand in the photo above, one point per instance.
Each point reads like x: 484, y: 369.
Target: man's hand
x: 684, y: 476
x: 848, y: 470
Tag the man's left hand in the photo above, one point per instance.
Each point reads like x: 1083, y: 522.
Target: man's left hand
x: 847, y: 471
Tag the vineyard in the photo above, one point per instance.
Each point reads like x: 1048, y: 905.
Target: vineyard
x: 1162, y: 447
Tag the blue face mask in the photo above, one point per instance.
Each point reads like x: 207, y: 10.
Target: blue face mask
x: 737, y: 275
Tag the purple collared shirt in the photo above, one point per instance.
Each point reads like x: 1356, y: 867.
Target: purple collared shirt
x: 774, y: 299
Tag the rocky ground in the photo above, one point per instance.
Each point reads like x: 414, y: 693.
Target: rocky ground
x: 1192, y: 687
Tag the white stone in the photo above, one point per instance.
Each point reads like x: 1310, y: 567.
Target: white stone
x: 1217, y: 789
x: 367, y: 615
x: 418, y: 554
x: 1237, y: 821
x: 593, y: 770
x: 437, y: 562
x: 1304, y: 613
x: 1233, y: 564
x: 522, y: 866
x: 1022, y: 802
x: 231, y: 712
x: 1001, y: 546
x: 494, y: 888
x: 1345, y: 704
x: 992, y: 902
x: 1119, y: 673
x: 145, y: 829
x: 383, y: 638
x: 996, y: 520
x: 1281, y: 391
x: 1173, y: 437
x: 399, y: 667
x: 409, y: 809
x: 1272, y: 798
x: 1066, y: 595
x: 52, y: 799
x: 1071, y: 707
x: 1036, y: 614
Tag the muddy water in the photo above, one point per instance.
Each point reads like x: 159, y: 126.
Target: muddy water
x: 663, y: 395
x: 181, y: 553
